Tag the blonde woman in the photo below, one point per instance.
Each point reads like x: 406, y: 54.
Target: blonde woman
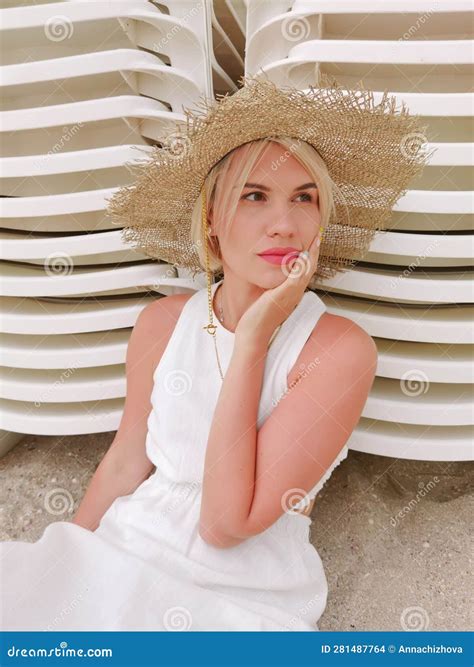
x: 197, y: 518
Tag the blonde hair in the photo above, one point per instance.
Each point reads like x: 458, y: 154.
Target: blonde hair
x: 225, y: 181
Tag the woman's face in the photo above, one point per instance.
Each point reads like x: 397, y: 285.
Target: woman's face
x: 277, y: 209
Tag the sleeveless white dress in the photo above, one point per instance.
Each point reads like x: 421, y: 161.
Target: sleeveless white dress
x: 146, y: 567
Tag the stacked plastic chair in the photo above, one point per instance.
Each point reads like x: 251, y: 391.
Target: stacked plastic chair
x: 413, y: 290
x: 88, y: 86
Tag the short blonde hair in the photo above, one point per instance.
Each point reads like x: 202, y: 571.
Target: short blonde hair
x: 225, y: 182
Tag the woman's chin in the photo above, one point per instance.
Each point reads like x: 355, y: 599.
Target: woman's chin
x: 270, y: 278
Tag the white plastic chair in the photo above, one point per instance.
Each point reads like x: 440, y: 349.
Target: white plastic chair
x: 273, y: 28
x: 135, y: 93
x: 143, y: 23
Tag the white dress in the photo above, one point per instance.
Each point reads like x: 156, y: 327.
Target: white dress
x: 146, y: 567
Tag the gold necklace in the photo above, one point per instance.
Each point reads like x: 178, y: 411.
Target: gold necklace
x: 211, y: 327
x: 222, y: 322
x: 213, y: 331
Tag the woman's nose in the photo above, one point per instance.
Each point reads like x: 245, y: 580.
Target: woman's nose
x: 282, y: 220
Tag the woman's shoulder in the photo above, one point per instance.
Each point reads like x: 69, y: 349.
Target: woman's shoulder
x: 343, y: 335
x: 168, y: 307
x: 157, y: 321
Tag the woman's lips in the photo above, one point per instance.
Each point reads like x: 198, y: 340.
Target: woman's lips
x: 279, y: 259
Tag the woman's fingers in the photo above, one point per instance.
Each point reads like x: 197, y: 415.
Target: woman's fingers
x: 306, y: 263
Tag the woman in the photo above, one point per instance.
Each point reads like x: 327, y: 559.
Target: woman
x: 246, y: 428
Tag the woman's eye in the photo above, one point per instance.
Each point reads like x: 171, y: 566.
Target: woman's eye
x: 306, y: 194
x: 251, y: 193
x: 303, y: 194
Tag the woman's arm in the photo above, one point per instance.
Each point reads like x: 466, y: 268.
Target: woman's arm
x: 229, y: 468
x: 108, y: 483
x: 248, y: 477
x: 126, y: 465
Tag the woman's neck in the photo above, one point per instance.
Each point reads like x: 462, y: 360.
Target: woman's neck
x: 234, y: 301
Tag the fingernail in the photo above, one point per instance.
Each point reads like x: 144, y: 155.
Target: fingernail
x: 318, y: 242
x: 304, y: 254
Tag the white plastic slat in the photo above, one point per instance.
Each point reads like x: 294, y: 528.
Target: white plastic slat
x: 67, y: 385
x: 61, y: 418
x: 415, y: 400
x: 261, y: 15
x: 86, y: 11
x: 411, y: 287
x: 429, y: 250
x: 411, y: 441
x: 66, y: 280
x: 170, y: 83
x: 425, y: 361
x: 451, y: 325
x: 96, y: 348
x: 89, y: 111
x: 412, y: 52
x: 14, y: 247
x: 382, y: 7
x: 105, y: 157
x: 50, y: 317
x: 430, y: 104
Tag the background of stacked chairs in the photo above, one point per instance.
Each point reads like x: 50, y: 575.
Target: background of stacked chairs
x: 87, y: 86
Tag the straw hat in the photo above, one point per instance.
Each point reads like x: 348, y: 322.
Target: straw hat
x: 372, y: 152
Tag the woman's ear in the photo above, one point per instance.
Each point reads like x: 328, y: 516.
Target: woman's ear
x: 210, y: 221
x: 214, y: 241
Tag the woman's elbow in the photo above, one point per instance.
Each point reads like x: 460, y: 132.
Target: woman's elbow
x: 216, y: 538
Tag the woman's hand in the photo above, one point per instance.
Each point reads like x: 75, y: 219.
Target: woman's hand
x: 272, y: 307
